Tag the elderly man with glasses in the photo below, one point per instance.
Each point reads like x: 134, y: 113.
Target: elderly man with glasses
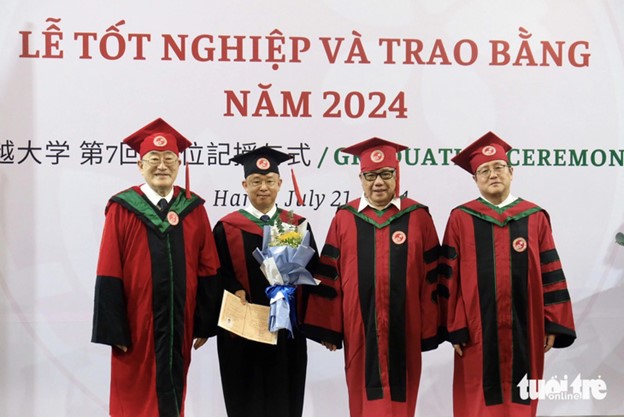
x: 156, y: 281
x: 380, y: 257
x: 503, y: 294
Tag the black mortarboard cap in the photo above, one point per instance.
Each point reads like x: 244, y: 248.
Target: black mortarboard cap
x: 261, y: 160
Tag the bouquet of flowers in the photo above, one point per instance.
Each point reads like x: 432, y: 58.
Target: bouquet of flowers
x: 284, y: 254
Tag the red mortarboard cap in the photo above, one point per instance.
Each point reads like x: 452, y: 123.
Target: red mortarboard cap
x: 157, y: 136
x: 376, y: 153
x: 261, y: 160
x: 488, y: 147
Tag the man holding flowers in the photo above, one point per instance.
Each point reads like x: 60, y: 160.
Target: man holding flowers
x: 260, y: 380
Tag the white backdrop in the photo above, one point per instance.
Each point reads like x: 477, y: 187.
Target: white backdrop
x: 76, y: 78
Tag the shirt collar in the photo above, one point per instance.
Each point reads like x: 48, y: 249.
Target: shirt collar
x: 257, y: 213
x: 510, y: 199
x: 153, y: 196
x: 396, y: 201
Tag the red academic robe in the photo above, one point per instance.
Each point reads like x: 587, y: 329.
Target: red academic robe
x: 258, y: 379
x: 383, y: 268
x: 501, y: 290
x: 154, y: 294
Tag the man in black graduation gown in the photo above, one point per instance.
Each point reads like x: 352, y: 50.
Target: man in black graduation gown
x: 259, y: 380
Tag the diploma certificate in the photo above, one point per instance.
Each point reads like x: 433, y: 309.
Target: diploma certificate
x: 249, y: 320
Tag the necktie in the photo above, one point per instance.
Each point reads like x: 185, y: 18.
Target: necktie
x: 265, y: 218
x: 162, y: 204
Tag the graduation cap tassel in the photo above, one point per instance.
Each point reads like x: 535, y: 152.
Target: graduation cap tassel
x: 397, y: 191
x: 187, y: 184
x: 296, y: 186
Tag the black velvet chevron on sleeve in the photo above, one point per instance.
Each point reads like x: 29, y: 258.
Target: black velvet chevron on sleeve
x: 209, y: 295
x: 110, y: 319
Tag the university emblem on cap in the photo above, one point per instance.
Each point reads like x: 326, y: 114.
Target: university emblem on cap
x: 160, y: 141
x: 377, y: 156
x: 398, y: 237
x: 172, y: 218
x: 263, y: 163
x: 488, y: 150
x: 519, y: 244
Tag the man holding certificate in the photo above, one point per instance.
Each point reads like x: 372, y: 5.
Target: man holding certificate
x: 260, y: 379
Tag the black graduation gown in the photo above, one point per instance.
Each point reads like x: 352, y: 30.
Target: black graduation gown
x: 258, y: 380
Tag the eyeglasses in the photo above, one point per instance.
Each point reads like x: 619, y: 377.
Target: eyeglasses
x: 257, y: 182
x: 155, y: 161
x: 372, y: 176
x: 486, y: 172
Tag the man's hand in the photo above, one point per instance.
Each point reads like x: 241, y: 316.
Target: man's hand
x: 123, y: 348
x: 329, y: 346
x: 241, y: 294
x: 549, y: 342
x: 458, y: 349
x: 199, y: 342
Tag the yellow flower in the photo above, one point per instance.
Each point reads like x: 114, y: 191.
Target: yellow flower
x: 291, y: 238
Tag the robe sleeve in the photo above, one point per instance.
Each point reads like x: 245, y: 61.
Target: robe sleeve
x: 557, y: 305
x: 453, y: 320
x: 110, y: 320
x: 226, y: 270
x: 312, y: 264
x: 323, y: 316
x: 209, y: 286
x: 307, y: 290
x: 430, y: 338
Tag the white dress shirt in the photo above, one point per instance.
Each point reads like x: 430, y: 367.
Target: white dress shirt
x: 510, y: 199
x: 257, y: 213
x: 396, y: 201
x: 153, y: 196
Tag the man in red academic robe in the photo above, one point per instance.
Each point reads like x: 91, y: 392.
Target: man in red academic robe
x: 259, y: 380
x: 502, y: 291
x: 156, y: 280
x: 380, y: 257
